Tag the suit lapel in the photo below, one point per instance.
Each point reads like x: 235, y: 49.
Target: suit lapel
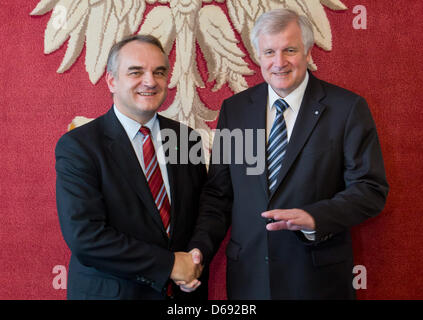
x: 310, y: 112
x: 257, y: 120
x: 123, y: 154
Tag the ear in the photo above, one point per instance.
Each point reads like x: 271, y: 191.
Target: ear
x: 111, y: 82
x: 309, y: 55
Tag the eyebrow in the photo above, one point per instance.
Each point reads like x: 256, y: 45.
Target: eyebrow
x: 134, y: 68
x: 139, y: 68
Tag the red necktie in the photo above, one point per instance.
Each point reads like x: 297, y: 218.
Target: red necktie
x: 155, y: 179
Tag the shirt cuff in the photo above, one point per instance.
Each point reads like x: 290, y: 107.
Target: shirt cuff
x: 310, y: 235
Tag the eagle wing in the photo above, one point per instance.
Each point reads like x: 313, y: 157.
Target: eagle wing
x: 159, y: 23
x: 219, y: 45
x: 98, y: 23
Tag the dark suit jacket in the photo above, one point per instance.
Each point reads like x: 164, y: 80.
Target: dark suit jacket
x: 108, y: 218
x: 333, y: 169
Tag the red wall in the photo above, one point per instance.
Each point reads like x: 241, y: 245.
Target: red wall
x: 382, y: 63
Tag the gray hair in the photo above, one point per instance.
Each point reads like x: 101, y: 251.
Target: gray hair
x: 276, y: 20
x: 112, y: 60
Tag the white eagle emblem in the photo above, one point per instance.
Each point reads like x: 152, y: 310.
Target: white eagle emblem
x: 182, y: 23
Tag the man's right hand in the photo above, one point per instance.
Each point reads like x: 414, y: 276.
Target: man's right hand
x: 187, y: 267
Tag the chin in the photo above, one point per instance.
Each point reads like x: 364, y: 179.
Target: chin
x: 149, y: 108
x: 280, y: 88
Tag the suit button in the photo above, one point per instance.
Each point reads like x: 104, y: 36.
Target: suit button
x: 266, y: 259
x: 142, y: 279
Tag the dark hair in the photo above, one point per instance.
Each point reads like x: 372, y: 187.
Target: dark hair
x: 112, y: 59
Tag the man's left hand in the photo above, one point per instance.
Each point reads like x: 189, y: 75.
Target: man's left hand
x: 289, y: 219
x: 197, y: 258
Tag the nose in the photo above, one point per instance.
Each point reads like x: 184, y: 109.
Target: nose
x: 149, y: 80
x: 280, y: 59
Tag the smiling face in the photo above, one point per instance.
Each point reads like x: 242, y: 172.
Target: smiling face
x: 282, y: 59
x: 140, y: 85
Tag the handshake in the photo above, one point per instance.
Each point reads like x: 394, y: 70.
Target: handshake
x: 187, y: 269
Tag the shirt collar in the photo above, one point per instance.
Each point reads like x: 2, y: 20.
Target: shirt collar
x: 293, y: 99
x: 131, y: 126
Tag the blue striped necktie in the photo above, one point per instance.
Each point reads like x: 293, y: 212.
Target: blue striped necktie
x: 276, y: 145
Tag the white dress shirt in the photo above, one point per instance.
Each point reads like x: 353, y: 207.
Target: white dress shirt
x: 132, y: 128
x: 294, y: 100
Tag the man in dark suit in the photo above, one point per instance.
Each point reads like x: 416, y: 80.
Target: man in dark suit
x: 323, y: 173
x: 127, y: 209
